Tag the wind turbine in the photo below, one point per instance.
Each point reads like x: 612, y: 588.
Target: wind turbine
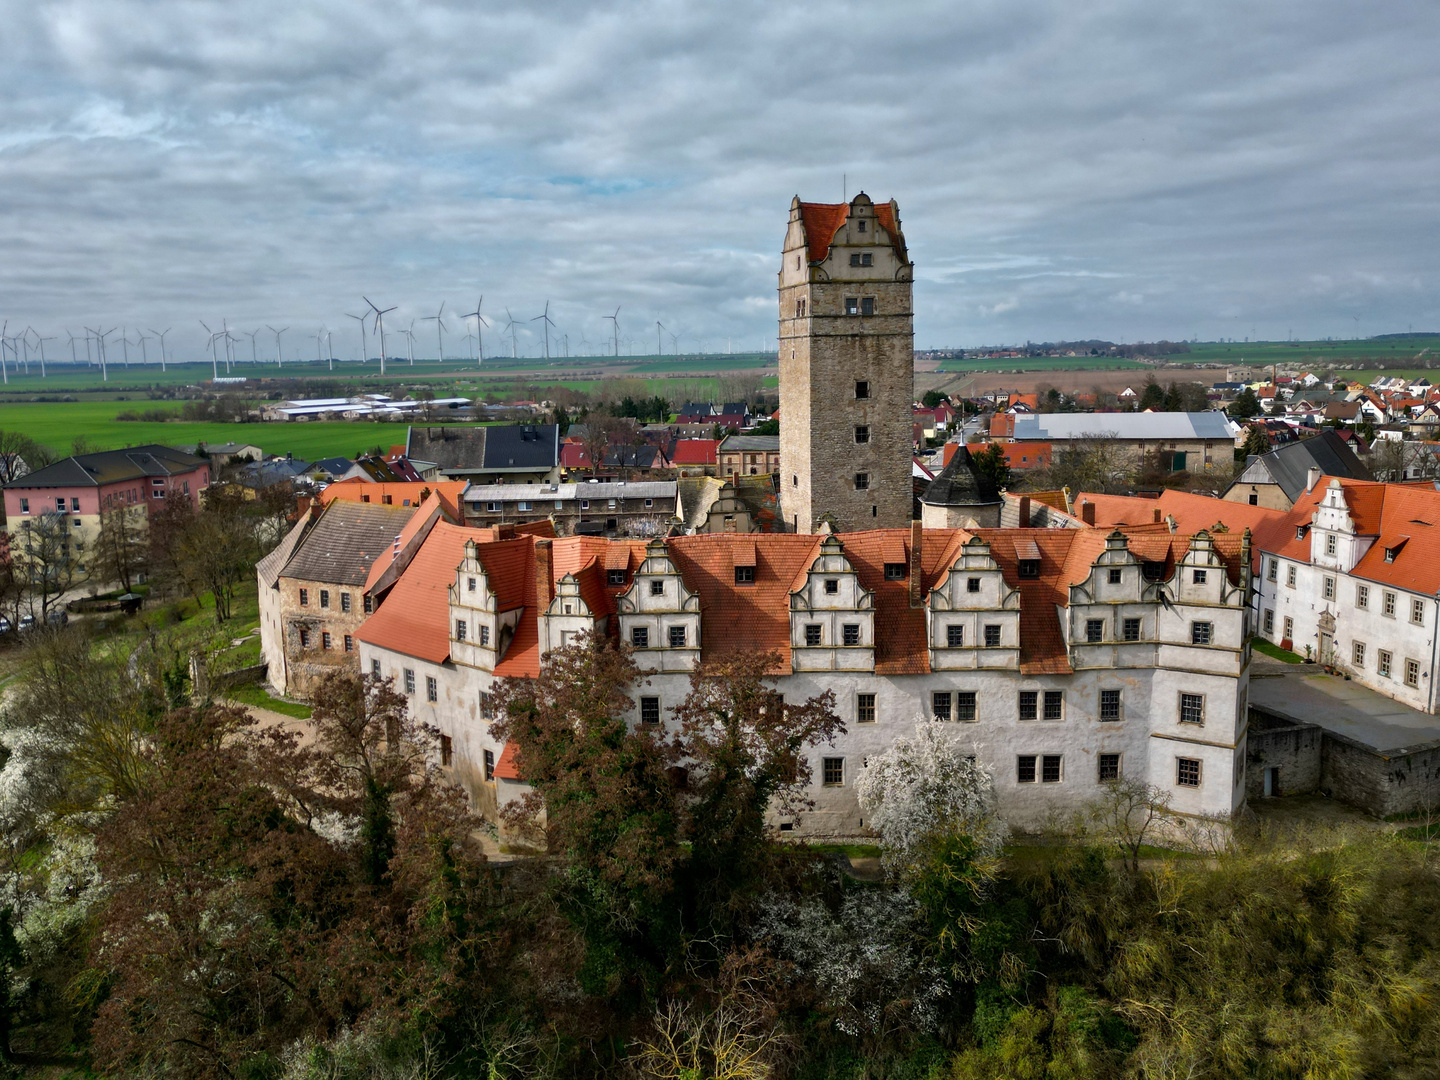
x: 280, y: 356
x: 615, y: 325
x: 161, y: 336
x: 100, y: 348
x: 4, y: 371
x: 439, y: 320
x: 510, y: 325
x: 254, y: 353
x: 410, y: 342
x: 319, y: 337
x: 659, y: 348
x: 380, y: 326
x: 545, y: 322
x: 361, y: 320
x: 214, y: 364
x: 479, y: 320
x: 140, y: 340
x: 74, y: 356
x: 125, y: 346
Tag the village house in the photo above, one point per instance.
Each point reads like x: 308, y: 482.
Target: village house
x: 587, y: 508
x: 1277, y: 478
x: 497, y: 454
x: 749, y: 455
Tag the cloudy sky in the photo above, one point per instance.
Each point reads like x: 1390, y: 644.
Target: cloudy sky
x: 1103, y: 168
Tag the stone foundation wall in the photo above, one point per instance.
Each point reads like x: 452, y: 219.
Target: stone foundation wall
x: 1296, y: 750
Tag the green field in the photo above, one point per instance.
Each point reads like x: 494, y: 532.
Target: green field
x: 58, y: 424
x: 1318, y: 353
x: 1042, y: 363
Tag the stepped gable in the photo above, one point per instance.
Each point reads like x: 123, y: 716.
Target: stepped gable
x: 823, y: 220
x: 1042, y: 643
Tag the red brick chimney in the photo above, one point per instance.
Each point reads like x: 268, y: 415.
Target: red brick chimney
x: 1156, y: 518
x: 1024, y: 511
x: 1087, y: 512
x: 544, y: 583
x: 917, y: 565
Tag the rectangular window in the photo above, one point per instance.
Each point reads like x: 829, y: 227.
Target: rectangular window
x: 940, y: 704
x: 862, y: 433
x: 1290, y: 577
x: 325, y: 599
x: 1390, y: 604
x: 432, y: 689
x: 1412, y: 673
x: 862, y: 481
x: 1199, y: 577
x: 1417, y: 611
x: 866, y: 259
x: 375, y: 669
x: 744, y: 575
x: 1357, y: 654
x: 1027, y: 568
x: 852, y: 305
x: 1029, y: 704
x: 487, y: 705
x: 485, y: 635
x: 955, y: 636
x: 1054, y: 705
x: 1131, y: 630
x: 850, y: 634
x: 1094, y: 630
x: 1187, y: 772
x: 1269, y: 621
x: 657, y: 588
x: 1025, y: 768
x: 24, y: 506
x: 369, y: 604
x: 640, y: 637
x: 304, y: 597
x: 1109, y: 767
x: 523, y: 507
x: 409, y: 680
x: 832, y: 587
x: 1289, y: 629
x: 493, y: 507
x: 446, y: 751
x: 345, y: 602
x: 1050, y: 769
x: 470, y: 584
x: 895, y: 571
x: 1109, y: 704
x: 1274, y: 565
x: 812, y: 634
x: 992, y: 636
x: 1328, y: 587
x: 1329, y: 543
x: 1116, y: 575
x: 867, y: 305
x: 304, y: 638
x: 1192, y: 708
x: 489, y: 764
x: 1362, y: 596
x: 832, y: 771
x: 862, y: 389
x: 1383, y: 661
x: 649, y: 710
x: 865, y: 708
x: 584, y: 504
x: 965, y: 705
x: 460, y: 629
x: 349, y: 643
x: 677, y: 637
x: 615, y: 577
x: 972, y: 585
x: 1200, y: 633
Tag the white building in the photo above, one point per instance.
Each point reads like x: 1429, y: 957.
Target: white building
x: 1065, y: 657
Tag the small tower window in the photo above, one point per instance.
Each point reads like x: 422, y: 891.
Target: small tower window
x: 862, y: 433
x: 862, y: 390
x: 855, y: 258
x: 867, y: 305
x: 852, y: 305
x: 867, y: 259
x: 862, y: 481
x: 861, y: 225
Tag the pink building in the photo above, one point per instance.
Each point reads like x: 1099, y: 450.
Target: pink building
x: 81, y: 488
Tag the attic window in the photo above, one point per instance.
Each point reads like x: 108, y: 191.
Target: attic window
x: 1393, y: 548
x: 895, y: 571
x: 1300, y: 531
x: 1153, y: 571
x: 860, y: 225
x: 1028, y: 568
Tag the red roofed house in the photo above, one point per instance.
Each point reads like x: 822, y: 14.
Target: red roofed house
x: 1050, y: 649
x: 695, y: 457
x: 1026, y: 455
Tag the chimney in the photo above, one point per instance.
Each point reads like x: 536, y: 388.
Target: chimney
x: 1312, y: 477
x: 917, y: 565
x: 1087, y: 512
x: 1024, y: 522
x: 543, y: 581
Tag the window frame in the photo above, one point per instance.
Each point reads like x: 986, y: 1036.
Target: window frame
x: 813, y: 635
x: 1046, y: 761
x: 1094, y: 631
x: 650, y: 707
x: 1193, y: 705
x: 1027, y: 763
x: 850, y: 634
x: 1362, y: 597
x: 1115, y: 576
x: 1189, y: 772
x: 1114, y: 762
x: 409, y: 681
x: 1104, y: 707
x: 744, y: 575
x: 955, y: 636
x: 1202, y: 632
x: 432, y: 688
x: 940, y: 702
x: 966, y: 707
x: 862, y: 434
x: 639, y: 637
x: 865, y: 710
x: 1417, y: 611
x: 1384, y: 663
x: 677, y: 637
x: 832, y: 772
x: 1126, y: 626
x: 1052, y: 706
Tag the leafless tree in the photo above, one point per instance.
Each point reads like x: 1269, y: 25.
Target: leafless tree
x: 20, y: 454
x: 46, y: 560
x: 122, y: 549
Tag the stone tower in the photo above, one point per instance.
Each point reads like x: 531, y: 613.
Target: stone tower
x: 847, y: 346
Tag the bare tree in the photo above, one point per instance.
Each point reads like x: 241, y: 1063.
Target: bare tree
x: 1396, y: 459
x: 1125, y: 813
x: 1096, y: 464
x: 20, y: 454
x: 122, y: 549
x: 45, y: 559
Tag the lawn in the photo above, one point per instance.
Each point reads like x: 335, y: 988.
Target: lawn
x: 1274, y: 651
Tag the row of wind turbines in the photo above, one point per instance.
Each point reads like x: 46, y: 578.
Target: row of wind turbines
x: 16, y: 350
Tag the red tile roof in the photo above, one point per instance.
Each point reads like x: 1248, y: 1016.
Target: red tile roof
x: 358, y: 490
x: 823, y: 220
x: 508, y: 767
x: 695, y: 452
x: 1026, y: 455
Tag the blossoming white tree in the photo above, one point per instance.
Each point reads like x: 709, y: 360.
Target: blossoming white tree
x: 928, y: 787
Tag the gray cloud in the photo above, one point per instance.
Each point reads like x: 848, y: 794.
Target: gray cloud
x: 1115, y: 169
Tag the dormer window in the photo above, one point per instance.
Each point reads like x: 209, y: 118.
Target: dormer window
x: 895, y: 571
x: 744, y: 575
x: 1300, y: 531
x: 1329, y: 543
x: 1389, y: 554
x: 615, y: 577
x: 1028, y: 568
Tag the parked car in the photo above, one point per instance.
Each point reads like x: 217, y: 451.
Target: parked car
x: 27, y: 622
x: 57, y: 618
x: 4, y: 625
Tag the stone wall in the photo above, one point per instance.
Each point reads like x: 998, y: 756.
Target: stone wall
x: 1393, y: 782
x: 1295, y: 749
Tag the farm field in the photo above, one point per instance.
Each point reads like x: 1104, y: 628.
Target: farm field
x: 1042, y: 363
x: 58, y: 424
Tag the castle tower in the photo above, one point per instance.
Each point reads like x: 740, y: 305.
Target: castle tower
x: 847, y: 346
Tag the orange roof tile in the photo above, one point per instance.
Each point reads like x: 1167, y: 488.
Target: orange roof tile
x: 508, y: 767
x: 357, y: 490
x: 824, y: 220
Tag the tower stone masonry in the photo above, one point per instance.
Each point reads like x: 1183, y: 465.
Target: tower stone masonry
x: 847, y: 347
